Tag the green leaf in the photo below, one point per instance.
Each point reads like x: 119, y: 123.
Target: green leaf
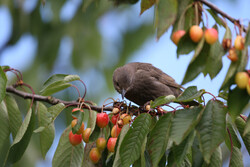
x: 232, y: 135
x: 190, y: 94
x: 181, y: 150
x: 15, y: 116
x: 55, y: 110
x: 5, y: 67
x: 4, y: 150
x: 186, y: 45
x: 130, y: 149
x: 86, y: 4
x: 212, y: 128
x: 172, y: 163
x: 197, y: 64
x: 48, y: 133
x: 92, y: 120
x: 162, y: 162
x: 66, y: 154
x: 117, y: 159
x: 95, y: 134
x: 22, y: 138
x: 216, y: 159
x: 228, y: 33
x: 247, y: 127
x: 197, y: 159
x: 80, y: 116
x: 229, y: 79
x: 51, y: 115
x: 158, y: 139
x: 184, y: 122
x: 237, y: 100
x: 60, y: 77
x: 214, y: 60
x: 4, y: 124
x: 240, y: 124
x: 247, y: 42
x: 236, y: 158
x: 166, y: 12
x: 3, y: 83
x: 162, y: 100
x: 57, y: 83
x: 216, y: 17
x: 146, y: 4
x: 39, y: 129
x: 243, y: 59
x: 185, y: 16
x: 141, y: 162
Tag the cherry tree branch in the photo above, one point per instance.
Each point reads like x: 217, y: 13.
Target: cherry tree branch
x: 216, y: 9
x: 52, y: 100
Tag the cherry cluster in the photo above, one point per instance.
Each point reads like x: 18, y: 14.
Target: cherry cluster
x: 196, y: 34
x: 211, y: 36
x: 239, y: 43
x: 102, y: 120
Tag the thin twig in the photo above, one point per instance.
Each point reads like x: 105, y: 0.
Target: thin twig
x: 216, y: 9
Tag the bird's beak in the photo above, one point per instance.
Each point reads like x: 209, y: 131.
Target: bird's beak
x: 123, y: 93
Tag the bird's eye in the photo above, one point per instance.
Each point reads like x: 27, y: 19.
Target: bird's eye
x: 117, y: 84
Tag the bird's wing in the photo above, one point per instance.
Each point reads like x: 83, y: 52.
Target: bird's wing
x: 158, y: 74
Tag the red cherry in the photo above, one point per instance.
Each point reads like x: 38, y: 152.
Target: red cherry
x: 195, y: 33
x: 102, y: 120
x: 111, y: 144
x: 177, y: 36
x: 211, y: 35
x: 94, y: 155
x: 86, y: 134
x: 75, y: 139
x: 114, y: 118
x: 232, y: 55
x: 126, y: 118
x: 242, y: 79
x: 239, y: 42
x: 101, y: 143
x: 115, y: 131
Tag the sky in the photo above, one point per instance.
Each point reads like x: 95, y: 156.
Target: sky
x: 152, y: 51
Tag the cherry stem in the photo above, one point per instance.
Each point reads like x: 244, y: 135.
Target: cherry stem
x: 196, y: 13
x: 205, y: 13
x: 18, y: 72
x: 169, y: 106
x: 15, y: 72
x: 77, y: 90
x: 103, y: 105
x: 243, y: 118
x: 69, y: 105
x: 85, y: 88
x: 211, y: 95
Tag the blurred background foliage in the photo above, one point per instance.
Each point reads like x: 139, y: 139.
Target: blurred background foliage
x: 69, y: 37
x: 74, y: 37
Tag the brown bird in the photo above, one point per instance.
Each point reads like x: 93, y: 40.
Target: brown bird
x: 142, y: 82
